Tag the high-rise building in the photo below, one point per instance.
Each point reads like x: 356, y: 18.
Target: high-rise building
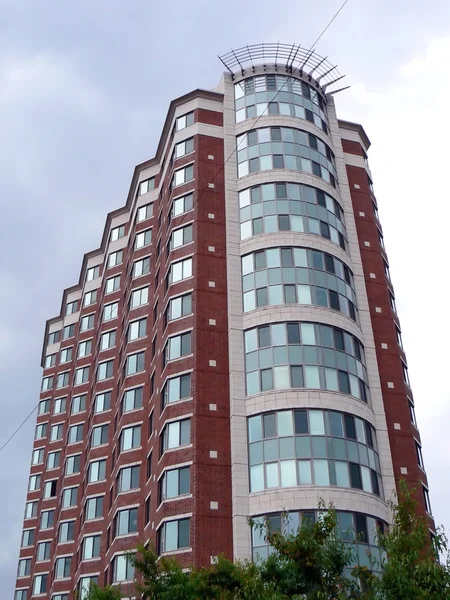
x: 231, y: 350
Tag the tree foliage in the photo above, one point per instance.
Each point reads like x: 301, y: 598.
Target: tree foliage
x: 308, y: 565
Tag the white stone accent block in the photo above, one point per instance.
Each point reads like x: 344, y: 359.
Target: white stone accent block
x: 211, y: 322
x: 378, y: 309
x: 212, y: 363
x: 384, y: 346
x: 213, y: 454
x: 390, y: 385
x: 210, y: 156
x: 213, y: 407
x: 403, y: 470
x: 367, y: 244
x: 211, y: 185
x: 213, y: 505
x: 362, y: 214
x: 397, y: 426
x: 211, y: 248
x: 372, y: 276
x: 211, y: 283
x: 210, y: 215
x: 357, y: 186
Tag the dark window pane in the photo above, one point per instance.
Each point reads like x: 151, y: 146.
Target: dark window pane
x: 309, y: 115
x: 273, y: 108
x: 312, y: 141
x: 308, y: 518
x: 281, y: 190
x: 306, y: 92
x: 375, y: 486
x: 316, y: 169
x: 275, y: 134
x: 293, y: 333
x: 341, y: 240
x: 369, y: 435
x: 286, y: 257
x: 257, y: 226
x: 336, y: 429
x: 260, y: 260
x: 275, y: 523
x: 355, y: 476
x: 289, y: 294
x: 334, y: 300
x: 254, y: 165
x: 269, y: 426
x: 184, y: 481
x: 297, y: 377
x: 350, y: 430
x: 344, y: 385
x: 266, y: 380
x: 301, y: 421
x: 183, y: 533
x: 321, y: 296
x: 361, y: 528
x: 317, y: 260
x: 321, y: 198
x: 324, y: 229
x: 351, y: 309
x: 252, y: 138
x: 262, y: 297
x: 263, y: 337
x: 278, y: 161
x: 346, y: 274
x: 339, y: 339
x: 362, y: 390
x: 329, y: 263
x: 283, y: 223
x: 255, y: 195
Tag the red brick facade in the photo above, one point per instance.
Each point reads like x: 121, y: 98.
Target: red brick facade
x: 403, y: 433
x: 209, y: 502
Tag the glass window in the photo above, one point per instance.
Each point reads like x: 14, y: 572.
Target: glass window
x: 126, y: 521
x: 174, y: 535
x: 175, y: 482
x: 180, y: 270
x: 102, y: 402
x: 177, y: 433
x: 91, y: 547
x: 134, y: 363
x: 128, y: 479
x: 69, y: 497
x: 94, y: 508
x: 139, y: 297
x: 130, y: 437
x: 141, y: 267
x: 146, y: 186
x: 97, y: 471
x: 122, y: 569
x: 117, y: 233
x: 177, y: 388
x: 144, y: 212
x: 115, y: 258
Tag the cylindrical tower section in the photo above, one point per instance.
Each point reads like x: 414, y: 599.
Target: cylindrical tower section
x: 307, y: 417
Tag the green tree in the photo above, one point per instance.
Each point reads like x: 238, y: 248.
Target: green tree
x: 106, y: 593
x: 418, y: 564
x: 309, y: 565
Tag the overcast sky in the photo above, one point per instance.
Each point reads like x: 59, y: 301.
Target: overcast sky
x: 84, y: 90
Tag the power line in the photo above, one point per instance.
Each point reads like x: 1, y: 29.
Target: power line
x: 202, y: 192
x: 19, y: 428
x: 331, y: 21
